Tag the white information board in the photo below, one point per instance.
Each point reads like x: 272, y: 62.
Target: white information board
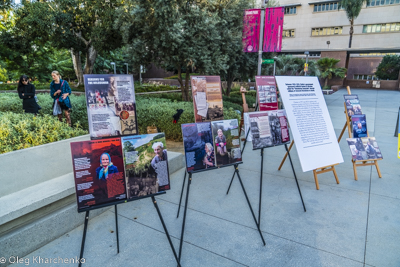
x: 309, y: 120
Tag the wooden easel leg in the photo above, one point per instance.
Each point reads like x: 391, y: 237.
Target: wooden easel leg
x: 316, y: 179
x: 334, y: 173
x: 341, y: 134
x: 377, y: 169
x: 284, y: 158
x: 355, y: 170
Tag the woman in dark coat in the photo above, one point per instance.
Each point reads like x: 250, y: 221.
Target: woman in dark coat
x: 26, y: 92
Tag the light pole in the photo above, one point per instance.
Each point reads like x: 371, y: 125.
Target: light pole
x: 115, y: 69
x: 260, y: 44
x: 126, y: 67
x: 306, y: 65
x: 275, y: 64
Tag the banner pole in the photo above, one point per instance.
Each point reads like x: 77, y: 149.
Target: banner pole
x: 260, y: 43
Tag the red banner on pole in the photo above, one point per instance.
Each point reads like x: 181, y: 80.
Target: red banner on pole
x: 251, y: 30
x: 273, y: 28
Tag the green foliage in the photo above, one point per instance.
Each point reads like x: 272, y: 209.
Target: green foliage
x: 353, y: 9
x: 329, y: 70
x: 182, y: 34
x: 183, y: 76
x: 3, y: 75
x: 291, y: 66
x: 153, y: 88
x: 389, y: 68
x: 10, y: 102
x: 18, y: 131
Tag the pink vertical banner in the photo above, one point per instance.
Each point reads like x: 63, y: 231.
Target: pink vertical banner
x: 251, y: 30
x: 273, y: 28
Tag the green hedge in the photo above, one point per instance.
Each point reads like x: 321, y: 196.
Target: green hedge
x: 150, y: 111
x: 142, y: 88
x: 18, y: 131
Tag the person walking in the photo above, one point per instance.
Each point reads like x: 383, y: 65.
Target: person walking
x: 26, y: 92
x: 60, y: 91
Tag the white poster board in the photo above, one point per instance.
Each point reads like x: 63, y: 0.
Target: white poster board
x: 309, y: 120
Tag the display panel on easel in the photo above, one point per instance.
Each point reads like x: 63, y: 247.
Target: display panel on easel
x: 365, y: 148
x: 359, y: 124
x: 310, y: 122
x: 352, y: 105
x: 266, y: 93
x: 269, y: 128
x: 110, y: 170
x: 207, y: 98
x: 226, y: 142
x: 111, y: 105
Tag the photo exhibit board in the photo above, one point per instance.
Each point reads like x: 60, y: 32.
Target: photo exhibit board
x: 110, y: 170
x: 111, y: 105
x: 365, y: 148
x: 226, y: 142
x: 359, y: 125
x: 203, y: 144
x: 266, y: 93
x: 352, y: 105
x: 207, y: 98
x: 310, y: 122
x: 269, y: 128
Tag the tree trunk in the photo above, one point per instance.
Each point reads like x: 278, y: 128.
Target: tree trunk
x: 326, y: 82
x: 91, y: 56
x: 181, y: 82
x: 186, y: 96
x: 229, y: 80
x: 76, y: 61
x: 351, y: 31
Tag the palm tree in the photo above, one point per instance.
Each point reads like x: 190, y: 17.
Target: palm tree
x: 328, y: 69
x: 353, y: 9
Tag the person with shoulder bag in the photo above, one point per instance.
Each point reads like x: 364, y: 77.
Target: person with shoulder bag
x: 26, y: 91
x: 60, y: 91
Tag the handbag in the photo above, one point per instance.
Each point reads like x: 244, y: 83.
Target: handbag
x: 56, y: 108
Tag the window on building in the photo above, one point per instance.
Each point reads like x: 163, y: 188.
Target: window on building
x: 364, y: 77
x: 385, y: 27
x: 382, y: 2
x: 326, y: 31
x: 327, y: 7
x: 290, y: 10
x: 288, y: 33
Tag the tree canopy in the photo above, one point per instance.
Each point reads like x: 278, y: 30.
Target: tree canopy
x: 199, y: 35
x: 389, y: 68
x: 84, y: 27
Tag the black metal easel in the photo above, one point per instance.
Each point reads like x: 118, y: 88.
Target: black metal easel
x: 261, y: 177
x: 116, y: 224
x: 186, y: 205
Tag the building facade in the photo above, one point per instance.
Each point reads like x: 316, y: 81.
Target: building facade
x: 322, y: 28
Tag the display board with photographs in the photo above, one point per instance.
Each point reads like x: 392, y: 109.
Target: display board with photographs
x: 226, y: 142
x: 266, y: 93
x: 269, y: 128
x: 146, y: 164
x: 207, y: 98
x: 353, y: 106
x: 114, y: 169
x: 111, y: 105
x: 359, y: 124
x: 99, y: 172
x: 206, y: 147
x: 365, y: 148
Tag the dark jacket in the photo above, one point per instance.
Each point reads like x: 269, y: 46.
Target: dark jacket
x: 64, y: 89
x: 28, y: 99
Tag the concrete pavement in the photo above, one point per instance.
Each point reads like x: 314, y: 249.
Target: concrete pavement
x: 354, y: 223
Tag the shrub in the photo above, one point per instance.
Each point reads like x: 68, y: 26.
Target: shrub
x: 159, y: 112
x: 18, y: 131
x: 143, y: 88
x: 12, y: 103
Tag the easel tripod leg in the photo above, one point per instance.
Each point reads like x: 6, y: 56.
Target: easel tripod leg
x: 295, y: 177
x: 116, y: 227
x: 84, y: 237
x: 344, y: 129
x: 184, y: 217
x: 261, y: 178
x: 165, y: 229
x: 287, y: 152
x: 233, y: 176
x: 180, y: 200
x: 251, y: 209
